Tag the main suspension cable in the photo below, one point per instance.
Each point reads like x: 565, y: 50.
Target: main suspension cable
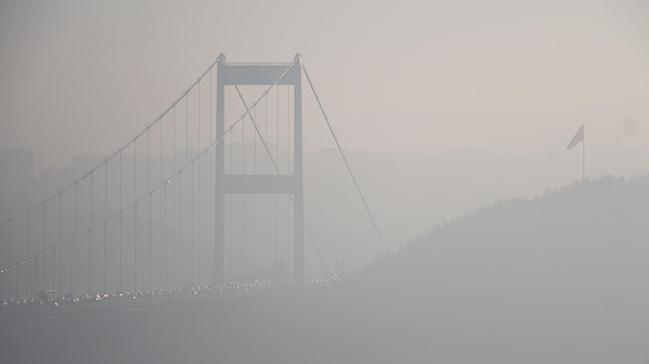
x: 115, y: 153
x: 344, y: 158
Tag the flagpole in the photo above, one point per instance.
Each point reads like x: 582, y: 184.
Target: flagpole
x: 583, y: 153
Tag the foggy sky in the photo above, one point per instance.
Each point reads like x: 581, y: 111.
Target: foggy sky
x: 79, y: 77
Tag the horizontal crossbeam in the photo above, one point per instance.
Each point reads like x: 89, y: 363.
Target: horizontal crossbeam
x: 258, y: 74
x: 259, y: 184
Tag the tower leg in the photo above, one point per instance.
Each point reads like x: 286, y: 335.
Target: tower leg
x: 219, y: 195
x: 298, y: 243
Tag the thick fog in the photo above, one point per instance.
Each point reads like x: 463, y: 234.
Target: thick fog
x: 452, y: 225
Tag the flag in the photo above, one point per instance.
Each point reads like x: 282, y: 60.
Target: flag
x: 578, y: 138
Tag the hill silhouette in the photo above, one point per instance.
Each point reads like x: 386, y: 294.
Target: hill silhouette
x: 559, y: 278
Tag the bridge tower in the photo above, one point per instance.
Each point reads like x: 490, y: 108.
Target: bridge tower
x: 232, y: 74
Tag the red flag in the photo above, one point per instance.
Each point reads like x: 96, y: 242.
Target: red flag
x: 578, y: 138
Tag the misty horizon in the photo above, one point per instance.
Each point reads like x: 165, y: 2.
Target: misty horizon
x: 542, y: 70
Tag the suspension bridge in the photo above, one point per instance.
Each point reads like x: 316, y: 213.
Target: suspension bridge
x: 210, y: 192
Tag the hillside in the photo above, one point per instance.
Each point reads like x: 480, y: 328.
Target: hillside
x: 560, y: 278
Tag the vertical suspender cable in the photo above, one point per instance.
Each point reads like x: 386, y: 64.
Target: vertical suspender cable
x: 254, y: 203
x: 121, y: 213
x: 288, y: 129
x: 174, y: 212
x: 3, y: 273
x: 211, y: 114
x: 192, y: 264
x: 60, y: 240
x: 278, y: 159
x: 106, y: 227
x: 178, y: 217
x: 135, y: 267
x: 186, y: 260
x: 36, y: 257
x: 187, y: 128
x: 230, y: 232
x: 162, y: 227
x: 163, y: 233
x: 27, y: 283
x: 182, y: 274
x: 2, y: 285
x: 91, y: 268
x: 72, y: 245
x: 288, y: 172
x: 205, y: 238
x: 208, y: 173
x: 192, y: 242
x: 149, y: 237
x: 16, y: 271
x: 266, y: 246
x: 198, y: 181
x: 9, y: 255
x: 242, y: 197
x: 44, y: 244
x: 35, y: 277
x: 27, y: 253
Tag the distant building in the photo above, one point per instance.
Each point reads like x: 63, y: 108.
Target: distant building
x: 17, y: 175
